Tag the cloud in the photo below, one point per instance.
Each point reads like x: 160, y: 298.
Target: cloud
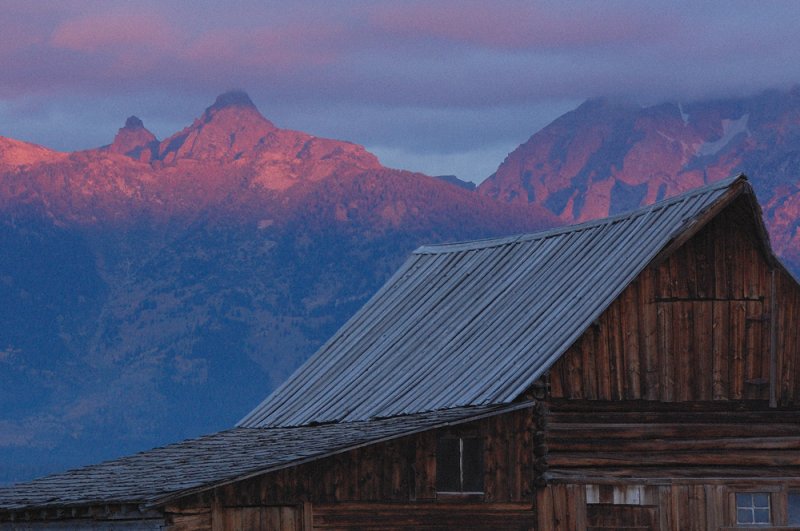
x: 116, y: 32
x: 520, y: 25
x: 463, y: 53
x: 252, y: 54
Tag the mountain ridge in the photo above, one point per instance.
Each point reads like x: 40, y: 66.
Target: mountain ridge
x: 606, y: 157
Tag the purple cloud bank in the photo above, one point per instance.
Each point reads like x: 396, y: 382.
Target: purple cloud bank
x: 72, y: 70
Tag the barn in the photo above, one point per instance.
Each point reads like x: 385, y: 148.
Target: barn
x: 635, y: 372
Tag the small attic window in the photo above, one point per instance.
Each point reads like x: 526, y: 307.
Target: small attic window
x: 459, y: 465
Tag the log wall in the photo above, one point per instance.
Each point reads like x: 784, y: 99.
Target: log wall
x: 677, y: 465
x: 673, y: 507
x: 696, y: 326
x: 635, y: 439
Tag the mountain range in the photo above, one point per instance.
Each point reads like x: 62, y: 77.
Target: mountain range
x: 154, y: 290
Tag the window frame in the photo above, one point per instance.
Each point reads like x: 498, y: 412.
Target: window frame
x: 752, y: 507
x: 461, y: 437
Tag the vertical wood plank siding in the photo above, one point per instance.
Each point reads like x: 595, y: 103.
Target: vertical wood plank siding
x: 401, y: 470
x: 390, y: 485
x: 695, y: 327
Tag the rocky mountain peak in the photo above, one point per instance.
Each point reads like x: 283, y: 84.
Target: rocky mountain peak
x: 232, y: 98
x: 234, y: 106
x: 230, y: 128
x: 133, y: 122
x: 134, y: 141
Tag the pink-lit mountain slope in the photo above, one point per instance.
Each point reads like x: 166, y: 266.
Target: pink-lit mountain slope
x: 229, y: 155
x: 15, y: 154
x: 153, y: 290
x: 605, y: 157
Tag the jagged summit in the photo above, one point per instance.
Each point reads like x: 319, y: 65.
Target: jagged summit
x: 134, y: 141
x: 134, y: 122
x: 229, y: 129
x: 232, y: 98
x: 234, y: 102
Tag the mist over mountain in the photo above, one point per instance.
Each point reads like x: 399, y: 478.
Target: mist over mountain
x: 158, y: 289
x: 606, y: 157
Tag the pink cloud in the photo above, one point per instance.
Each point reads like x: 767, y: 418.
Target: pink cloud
x: 112, y: 31
x: 293, y: 44
x: 16, y: 38
x: 127, y: 44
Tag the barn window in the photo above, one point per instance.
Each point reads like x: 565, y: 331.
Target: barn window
x: 794, y: 507
x: 752, y: 508
x: 459, y: 464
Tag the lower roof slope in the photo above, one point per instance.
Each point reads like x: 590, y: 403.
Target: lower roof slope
x: 477, y: 323
x: 154, y: 476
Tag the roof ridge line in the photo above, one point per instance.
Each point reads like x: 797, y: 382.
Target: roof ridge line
x: 486, y: 243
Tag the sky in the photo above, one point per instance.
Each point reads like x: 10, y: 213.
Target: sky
x: 442, y: 87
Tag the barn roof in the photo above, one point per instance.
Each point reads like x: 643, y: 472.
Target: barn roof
x: 157, y: 475
x: 477, y: 323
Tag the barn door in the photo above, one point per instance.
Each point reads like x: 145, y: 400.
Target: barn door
x: 608, y: 517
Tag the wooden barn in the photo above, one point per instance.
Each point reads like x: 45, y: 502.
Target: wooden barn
x: 636, y: 372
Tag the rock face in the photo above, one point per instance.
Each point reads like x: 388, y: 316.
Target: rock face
x: 135, y: 141
x: 16, y: 155
x: 606, y: 157
x: 229, y: 129
x: 158, y: 290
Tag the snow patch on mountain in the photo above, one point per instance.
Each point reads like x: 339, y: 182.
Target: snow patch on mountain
x: 730, y: 130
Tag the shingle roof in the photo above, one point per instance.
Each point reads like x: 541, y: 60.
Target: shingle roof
x: 477, y: 323
x: 197, y: 464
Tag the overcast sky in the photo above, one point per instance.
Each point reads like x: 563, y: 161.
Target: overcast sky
x: 433, y: 86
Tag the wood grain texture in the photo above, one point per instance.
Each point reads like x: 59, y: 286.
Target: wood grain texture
x: 696, y: 326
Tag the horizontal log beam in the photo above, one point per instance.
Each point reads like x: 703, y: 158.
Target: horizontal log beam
x: 667, y: 445
x: 770, y: 458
